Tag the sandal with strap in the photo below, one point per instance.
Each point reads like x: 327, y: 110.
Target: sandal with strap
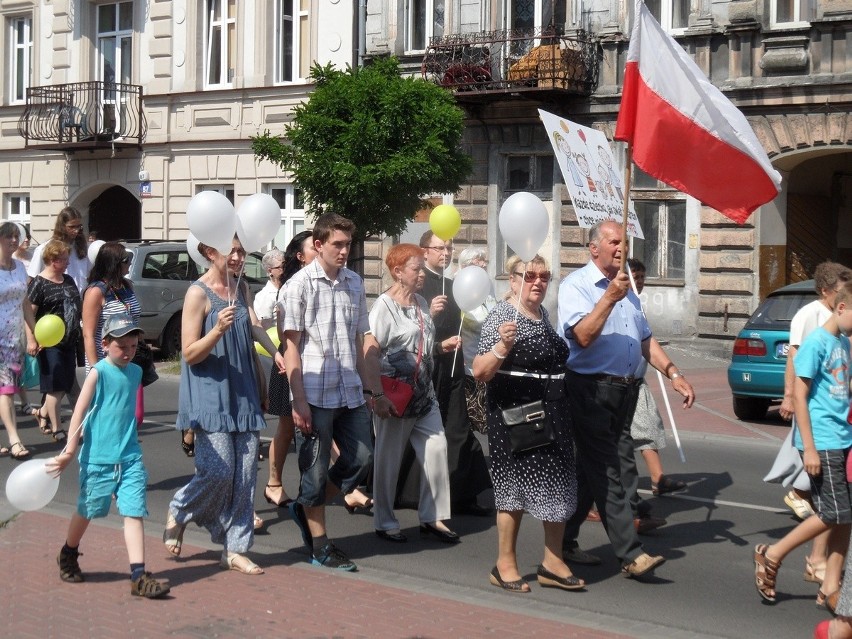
x: 22, y: 453
x: 667, y: 485
x: 173, y: 535
x: 765, y: 573
x: 519, y: 586
x: 188, y: 447
x: 829, y: 602
x: 285, y: 500
x: 59, y: 435
x: 240, y: 563
x: 42, y: 420
x: 813, y: 573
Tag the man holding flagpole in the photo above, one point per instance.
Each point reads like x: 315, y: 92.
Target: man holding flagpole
x: 602, y: 321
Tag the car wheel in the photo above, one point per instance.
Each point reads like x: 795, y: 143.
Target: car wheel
x: 170, y: 344
x: 749, y: 408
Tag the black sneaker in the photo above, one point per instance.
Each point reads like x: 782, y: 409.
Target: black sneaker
x: 69, y: 569
x: 330, y: 556
x: 148, y: 587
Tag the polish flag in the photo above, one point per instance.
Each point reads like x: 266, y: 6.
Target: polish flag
x: 684, y: 132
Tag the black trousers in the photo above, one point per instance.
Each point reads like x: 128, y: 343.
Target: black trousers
x: 606, y: 466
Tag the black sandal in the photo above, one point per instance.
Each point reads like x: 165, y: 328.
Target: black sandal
x: 60, y: 435
x: 43, y: 421
x: 22, y: 453
x: 188, y: 447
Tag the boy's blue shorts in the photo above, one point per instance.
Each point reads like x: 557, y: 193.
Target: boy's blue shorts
x: 99, y: 482
x: 830, y: 489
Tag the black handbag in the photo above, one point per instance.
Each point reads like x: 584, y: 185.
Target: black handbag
x: 144, y: 358
x: 528, y: 426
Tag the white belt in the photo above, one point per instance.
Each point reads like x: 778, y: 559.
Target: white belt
x: 534, y: 375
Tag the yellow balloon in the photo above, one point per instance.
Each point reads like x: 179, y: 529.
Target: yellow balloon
x: 273, y: 335
x: 445, y: 221
x: 49, y: 330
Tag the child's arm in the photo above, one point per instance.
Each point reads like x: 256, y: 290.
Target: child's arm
x: 810, y: 458
x: 84, y: 401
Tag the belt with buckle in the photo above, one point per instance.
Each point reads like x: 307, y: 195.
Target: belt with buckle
x: 624, y: 380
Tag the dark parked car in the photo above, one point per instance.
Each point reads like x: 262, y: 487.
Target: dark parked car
x: 756, y: 373
x: 161, y: 273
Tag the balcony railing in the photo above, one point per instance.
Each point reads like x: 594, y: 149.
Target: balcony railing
x: 83, y: 115
x: 513, y: 61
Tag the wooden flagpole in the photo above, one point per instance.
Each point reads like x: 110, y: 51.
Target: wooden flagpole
x: 628, y: 164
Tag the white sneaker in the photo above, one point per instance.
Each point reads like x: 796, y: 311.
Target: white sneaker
x: 800, y: 507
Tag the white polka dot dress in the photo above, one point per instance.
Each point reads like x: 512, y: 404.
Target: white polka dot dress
x: 543, y: 481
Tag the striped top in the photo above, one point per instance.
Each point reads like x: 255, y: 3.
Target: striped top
x: 116, y: 302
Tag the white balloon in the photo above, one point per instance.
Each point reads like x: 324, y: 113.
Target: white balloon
x: 192, y: 248
x: 524, y: 224
x: 94, y: 249
x: 211, y: 218
x: 29, y: 487
x: 471, y: 286
x: 258, y: 220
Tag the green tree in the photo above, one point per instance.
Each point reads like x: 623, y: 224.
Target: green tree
x: 370, y: 145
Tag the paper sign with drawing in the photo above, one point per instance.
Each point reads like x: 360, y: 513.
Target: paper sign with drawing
x: 588, y: 168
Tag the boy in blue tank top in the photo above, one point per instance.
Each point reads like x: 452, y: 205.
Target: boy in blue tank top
x: 110, y: 456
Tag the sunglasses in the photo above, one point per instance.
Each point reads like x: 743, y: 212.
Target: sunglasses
x: 127, y: 260
x: 531, y: 277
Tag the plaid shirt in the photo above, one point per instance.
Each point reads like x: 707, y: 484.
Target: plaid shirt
x: 330, y: 315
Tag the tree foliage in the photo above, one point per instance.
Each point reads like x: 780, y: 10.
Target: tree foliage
x: 370, y: 145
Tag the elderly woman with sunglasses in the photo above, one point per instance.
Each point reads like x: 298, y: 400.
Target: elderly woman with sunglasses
x: 523, y: 360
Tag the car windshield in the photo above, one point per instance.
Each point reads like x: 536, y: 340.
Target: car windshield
x: 777, y: 311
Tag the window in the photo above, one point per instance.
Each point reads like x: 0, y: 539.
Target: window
x: 220, y: 42
x: 17, y: 209
x: 673, y: 15
x: 531, y: 173
x: 790, y: 12
x: 292, y: 204
x: 21, y: 58
x: 424, y: 21
x: 292, y: 40
x: 224, y: 189
x: 115, y: 60
x: 662, y: 214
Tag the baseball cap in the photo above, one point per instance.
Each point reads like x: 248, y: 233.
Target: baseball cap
x: 120, y: 325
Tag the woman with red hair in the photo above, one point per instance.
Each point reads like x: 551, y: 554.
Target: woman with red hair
x: 401, y: 323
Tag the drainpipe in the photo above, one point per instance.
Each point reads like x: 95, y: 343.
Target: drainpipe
x: 362, y: 31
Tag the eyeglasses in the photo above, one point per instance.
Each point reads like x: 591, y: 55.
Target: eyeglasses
x: 530, y: 276
x: 127, y: 260
x: 441, y: 249
x: 281, y: 266
x: 74, y: 227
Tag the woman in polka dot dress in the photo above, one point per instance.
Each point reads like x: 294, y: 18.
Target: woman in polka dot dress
x: 522, y: 359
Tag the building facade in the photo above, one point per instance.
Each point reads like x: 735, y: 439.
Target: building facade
x: 125, y: 110
x: 786, y: 64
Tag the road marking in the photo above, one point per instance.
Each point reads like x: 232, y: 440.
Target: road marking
x: 721, y: 502
x: 737, y: 422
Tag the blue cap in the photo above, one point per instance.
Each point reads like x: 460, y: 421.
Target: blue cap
x: 120, y: 325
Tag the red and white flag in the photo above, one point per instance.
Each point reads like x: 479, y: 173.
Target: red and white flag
x: 684, y: 131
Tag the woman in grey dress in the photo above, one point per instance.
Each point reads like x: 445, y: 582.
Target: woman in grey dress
x: 221, y: 392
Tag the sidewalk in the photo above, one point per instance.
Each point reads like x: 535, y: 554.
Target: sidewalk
x: 290, y: 600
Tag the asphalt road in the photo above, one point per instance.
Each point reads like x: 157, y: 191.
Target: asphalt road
x: 704, y: 590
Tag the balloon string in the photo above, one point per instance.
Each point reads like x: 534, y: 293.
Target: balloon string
x: 518, y: 300
x: 455, y: 359
x: 236, y: 290
x: 79, y: 428
x: 443, y: 278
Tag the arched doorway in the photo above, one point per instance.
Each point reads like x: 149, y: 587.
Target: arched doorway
x: 116, y: 215
x: 819, y: 208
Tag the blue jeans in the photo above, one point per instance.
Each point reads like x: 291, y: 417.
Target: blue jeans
x: 350, y: 428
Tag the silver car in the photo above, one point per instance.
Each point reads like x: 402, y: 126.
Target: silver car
x: 161, y: 273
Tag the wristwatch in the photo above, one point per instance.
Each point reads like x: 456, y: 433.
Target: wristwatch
x: 377, y: 395
x: 675, y: 375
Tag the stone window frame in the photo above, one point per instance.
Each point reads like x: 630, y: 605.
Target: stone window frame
x: 27, y: 50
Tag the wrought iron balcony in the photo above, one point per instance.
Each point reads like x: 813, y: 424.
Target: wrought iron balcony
x: 513, y: 62
x: 83, y: 116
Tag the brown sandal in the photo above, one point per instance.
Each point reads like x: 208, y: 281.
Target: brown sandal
x: 765, y: 573
x: 829, y: 602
